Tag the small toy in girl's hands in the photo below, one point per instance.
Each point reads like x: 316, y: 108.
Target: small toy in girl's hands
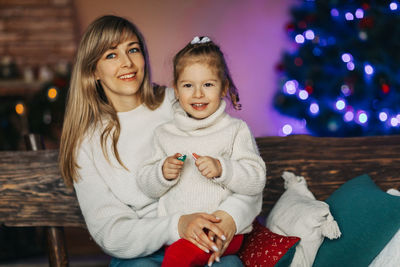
x: 195, y: 156
x: 182, y: 158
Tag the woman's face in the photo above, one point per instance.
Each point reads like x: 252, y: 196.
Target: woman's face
x: 121, y: 70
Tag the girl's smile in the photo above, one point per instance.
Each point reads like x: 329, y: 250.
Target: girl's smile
x: 199, y: 90
x: 199, y: 107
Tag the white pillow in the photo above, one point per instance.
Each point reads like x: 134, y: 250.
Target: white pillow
x: 298, y: 213
x: 389, y: 256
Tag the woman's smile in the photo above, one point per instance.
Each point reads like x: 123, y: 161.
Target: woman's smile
x: 121, y: 71
x: 128, y: 77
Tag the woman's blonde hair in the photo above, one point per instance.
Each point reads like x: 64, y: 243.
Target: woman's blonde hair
x: 87, y: 106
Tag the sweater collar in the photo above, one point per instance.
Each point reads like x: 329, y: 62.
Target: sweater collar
x: 186, y: 123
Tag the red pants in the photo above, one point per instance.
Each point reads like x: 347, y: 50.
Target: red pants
x: 183, y: 253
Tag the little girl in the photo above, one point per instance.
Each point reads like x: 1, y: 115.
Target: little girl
x: 202, y: 155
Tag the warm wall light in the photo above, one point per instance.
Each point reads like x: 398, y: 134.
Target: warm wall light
x: 20, y: 109
x: 52, y: 94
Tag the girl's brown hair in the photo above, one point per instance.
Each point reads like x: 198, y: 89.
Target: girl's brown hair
x: 210, y: 53
x: 87, y: 106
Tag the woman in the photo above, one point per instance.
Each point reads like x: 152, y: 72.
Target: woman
x: 112, y: 110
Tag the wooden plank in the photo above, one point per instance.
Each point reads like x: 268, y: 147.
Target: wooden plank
x: 32, y: 192
x: 327, y: 163
x: 57, y: 249
x: 56, y: 246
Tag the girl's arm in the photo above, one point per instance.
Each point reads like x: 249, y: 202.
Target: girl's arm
x: 243, y: 209
x: 237, y: 213
x: 150, y: 176
x: 244, y: 172
x: 120, y: 229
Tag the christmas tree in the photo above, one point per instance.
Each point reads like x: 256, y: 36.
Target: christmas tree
x: 342, y: 77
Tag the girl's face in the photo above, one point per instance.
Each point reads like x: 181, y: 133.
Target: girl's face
x: 121, y: 71
x: 199, y: 90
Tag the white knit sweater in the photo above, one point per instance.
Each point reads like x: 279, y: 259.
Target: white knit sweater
x: 220, y: 136
x: 120, y: 218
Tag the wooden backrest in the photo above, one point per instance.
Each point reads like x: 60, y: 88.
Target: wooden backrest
x: 327, y: 163
x: 32, y: 192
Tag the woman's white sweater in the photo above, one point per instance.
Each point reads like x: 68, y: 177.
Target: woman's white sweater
x: 119, y: 216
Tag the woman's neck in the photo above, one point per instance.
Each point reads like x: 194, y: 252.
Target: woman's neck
x: 127, y: 104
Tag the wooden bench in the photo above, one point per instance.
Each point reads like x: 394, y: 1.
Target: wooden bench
x: 32, y: 192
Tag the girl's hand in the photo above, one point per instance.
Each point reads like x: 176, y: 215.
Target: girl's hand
x: 191, y: 227
x: 209, y: 167
x: 172, y: 167
x: 228, y: 225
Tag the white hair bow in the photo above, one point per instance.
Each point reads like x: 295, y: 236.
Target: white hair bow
x: 197, y: 40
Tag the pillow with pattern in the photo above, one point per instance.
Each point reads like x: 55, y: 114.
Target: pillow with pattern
x: 261, y: 247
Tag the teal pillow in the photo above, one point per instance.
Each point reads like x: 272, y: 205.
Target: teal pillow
x: 368, y: 218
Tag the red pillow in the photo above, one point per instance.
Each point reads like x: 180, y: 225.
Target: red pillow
x: 261, y: 247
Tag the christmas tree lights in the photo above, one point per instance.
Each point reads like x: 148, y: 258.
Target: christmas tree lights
x: 342, y: 76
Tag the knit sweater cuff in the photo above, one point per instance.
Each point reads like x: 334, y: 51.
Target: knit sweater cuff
x: 226, y: 174
x: 164, y: 182
x: 173, y: 229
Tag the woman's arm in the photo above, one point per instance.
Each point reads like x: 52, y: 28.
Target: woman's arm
x: 120, y: 230
x: 244, y: 172
x: 121, y: 219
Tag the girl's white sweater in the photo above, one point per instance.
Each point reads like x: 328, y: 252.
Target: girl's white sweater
x: 219, y: 136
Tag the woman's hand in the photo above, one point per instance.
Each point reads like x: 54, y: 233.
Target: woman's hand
x: 229, y: 227
x: 191, y: 227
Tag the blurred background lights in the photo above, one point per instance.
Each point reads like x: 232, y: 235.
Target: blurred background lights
x: 362, y: 117
x: 298, y: 61
x: 314, y: 108
x: 359, y: 13
x: 290, y: 87
x: 394, y: 122
x: 348, y: 116
x: 385, y: 88
x: 299, y: 38
x: 52, y: 93
x: 368, y: 69
x: 309, y: 34
x: 316, y: 51
x: 303, y: 94
x: 350, y: 65
x: 331, y: 40
x: 346, y: 57
x: 333, y: 126
x: 334, y: 12
x: 349, y: 16
x: 287, y: 129
x: 340, y: 104
x: 383, y: 116
x: 345, y: 90
x: 363, y: 35
x: 19, y: 108
x: 323, y: 42
x: 360, y: 95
